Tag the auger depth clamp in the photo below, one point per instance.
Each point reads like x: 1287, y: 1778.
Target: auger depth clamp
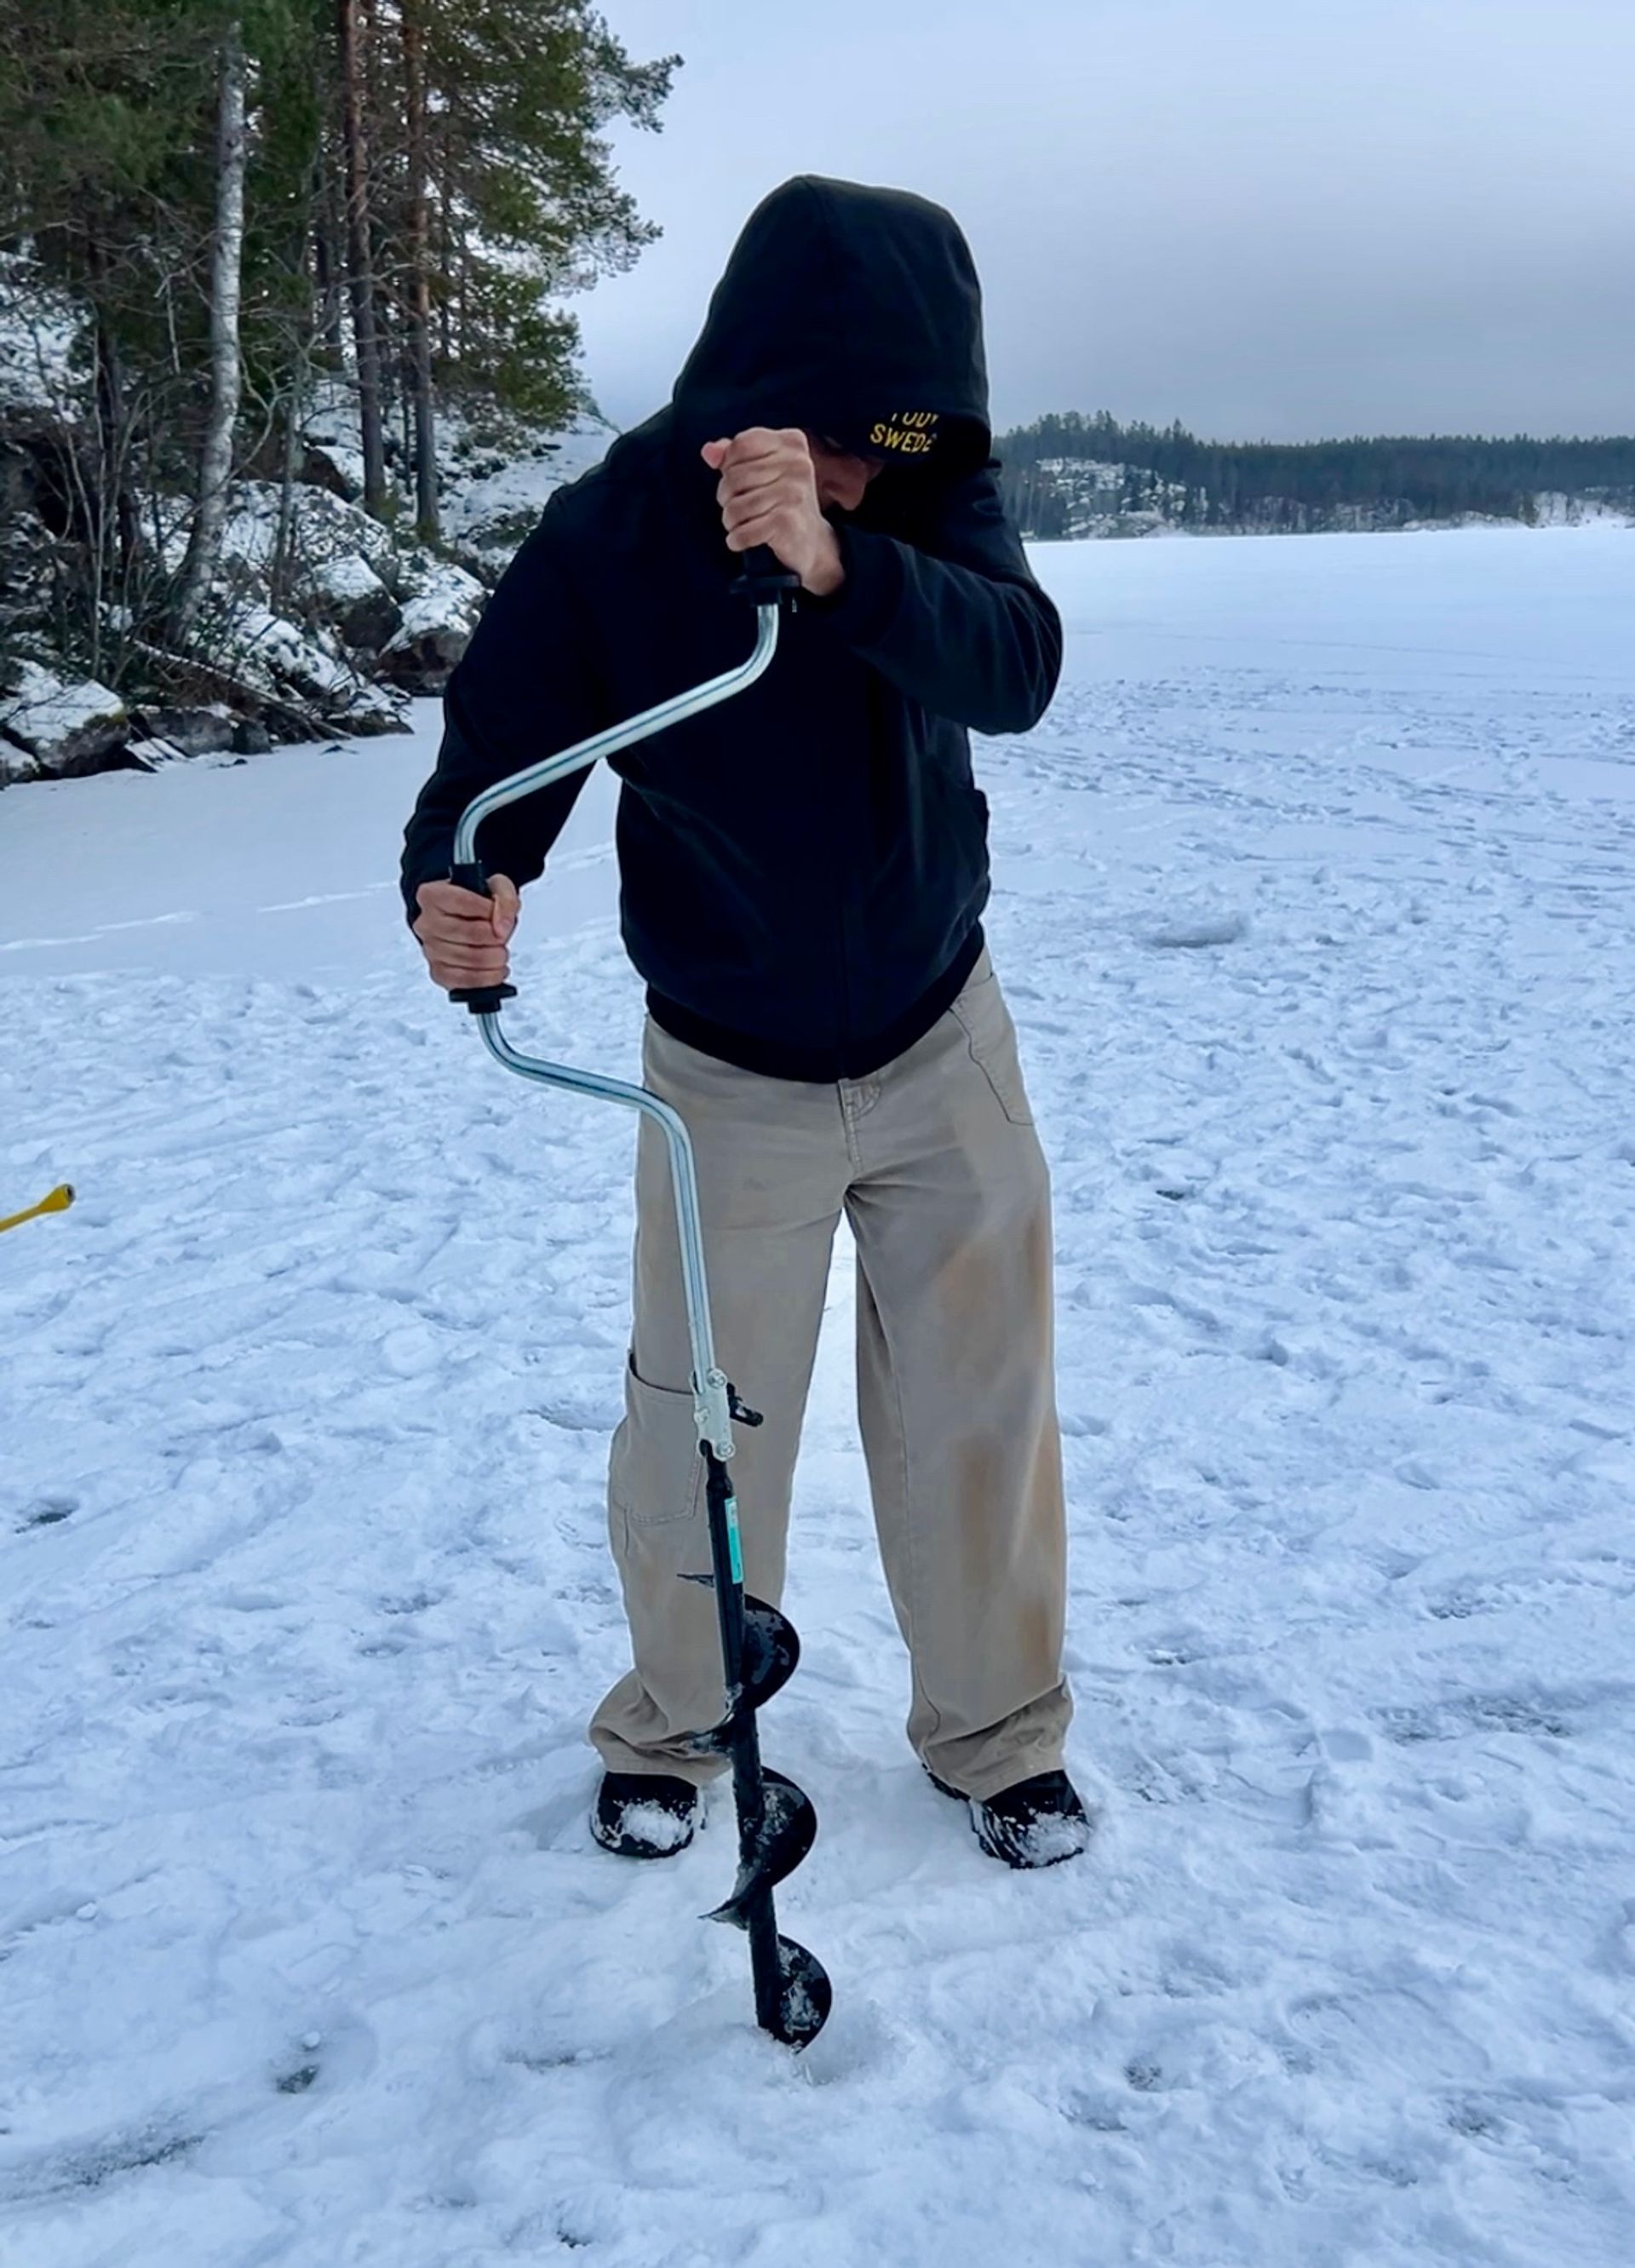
x: 758, y: 1648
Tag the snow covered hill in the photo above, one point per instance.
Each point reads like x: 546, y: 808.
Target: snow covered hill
x: 1316, y: 910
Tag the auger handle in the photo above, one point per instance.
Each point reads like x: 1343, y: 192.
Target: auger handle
x: 482, y: 1000
x: 772, y: 588
x: 765, y: 580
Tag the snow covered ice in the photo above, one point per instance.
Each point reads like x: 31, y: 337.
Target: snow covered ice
x: 1315, y: 907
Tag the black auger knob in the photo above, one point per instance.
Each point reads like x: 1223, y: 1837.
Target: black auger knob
x: 764, y: 579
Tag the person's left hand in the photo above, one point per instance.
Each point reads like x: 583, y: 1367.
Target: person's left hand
x: 768, y: 494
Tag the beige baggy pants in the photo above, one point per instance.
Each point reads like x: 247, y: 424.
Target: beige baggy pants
x: 936, y: 1164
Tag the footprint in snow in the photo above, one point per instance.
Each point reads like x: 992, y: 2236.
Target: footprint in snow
x: 50, y: 1511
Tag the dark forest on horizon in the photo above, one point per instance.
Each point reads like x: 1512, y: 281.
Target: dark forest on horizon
x: 1170, y: 474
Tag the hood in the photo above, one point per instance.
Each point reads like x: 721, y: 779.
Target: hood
x: 854, y: 312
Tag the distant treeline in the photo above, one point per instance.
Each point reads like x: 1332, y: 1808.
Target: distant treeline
x: 1174, y: 477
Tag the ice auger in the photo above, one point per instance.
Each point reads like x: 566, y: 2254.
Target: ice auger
x: 758, y: 1648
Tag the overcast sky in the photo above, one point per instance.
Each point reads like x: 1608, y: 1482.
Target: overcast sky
x: 1267, y: 218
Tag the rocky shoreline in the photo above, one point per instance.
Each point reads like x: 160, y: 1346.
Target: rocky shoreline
x: 321, y: 621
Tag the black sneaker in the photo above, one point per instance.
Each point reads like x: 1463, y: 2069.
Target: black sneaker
x: 1039, y: 1823
x: 645, y: 1815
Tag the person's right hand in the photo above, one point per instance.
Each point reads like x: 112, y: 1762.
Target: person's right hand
x: 464, y: 936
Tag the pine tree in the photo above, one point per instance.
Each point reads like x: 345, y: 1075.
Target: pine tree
x: 526, y: 208
x: 216, y: 455
x: 419, y: 262
x: 353, y: 27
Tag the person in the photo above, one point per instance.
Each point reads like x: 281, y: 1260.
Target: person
x: 802, y: 873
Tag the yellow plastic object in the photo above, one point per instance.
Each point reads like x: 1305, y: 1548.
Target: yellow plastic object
x: 59, y: 1201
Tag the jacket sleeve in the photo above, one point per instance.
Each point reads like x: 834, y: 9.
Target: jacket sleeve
x: 958, y: 623
x: 523, y: 689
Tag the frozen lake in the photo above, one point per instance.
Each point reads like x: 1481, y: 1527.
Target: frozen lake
x: 1315, y: 904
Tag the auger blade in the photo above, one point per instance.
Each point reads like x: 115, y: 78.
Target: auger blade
x: 807, y: 1996
x: 776, y: 1825
x: 788, y: 1830
x: 771, y: 1653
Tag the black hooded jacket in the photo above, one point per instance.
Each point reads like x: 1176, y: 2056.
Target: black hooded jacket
x: 803, y: 869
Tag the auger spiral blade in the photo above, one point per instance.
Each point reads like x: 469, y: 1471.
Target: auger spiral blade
x: 787, y: 1830
x: 770, y: 1652
x: 805, y: 1998
x: 776, y: 1825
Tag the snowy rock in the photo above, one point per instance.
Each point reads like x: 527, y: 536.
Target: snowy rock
x: 60, y: 727
x: 441, y: 612
x: 284, y: 659
x: 370, y: 622
x: 493, y: 496
x: 422, y: 656
x: 324, y: 530
x: 346, y: 576
x: 328, y: 466
x: 1553, y: 509
x: 421, y: 575
x: 40, y: 327
x: 203, y: 732
x: 1099, y: 499
x: 331, y: 457
x: 275, y: 657
x: 350, y: 594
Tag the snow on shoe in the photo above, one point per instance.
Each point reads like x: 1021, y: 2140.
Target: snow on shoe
x: 1038, y: 1822
x: 645, y: 1815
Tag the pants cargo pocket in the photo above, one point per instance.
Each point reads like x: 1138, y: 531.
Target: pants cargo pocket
x: 991, y: 1035
x: 656, y: 1474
